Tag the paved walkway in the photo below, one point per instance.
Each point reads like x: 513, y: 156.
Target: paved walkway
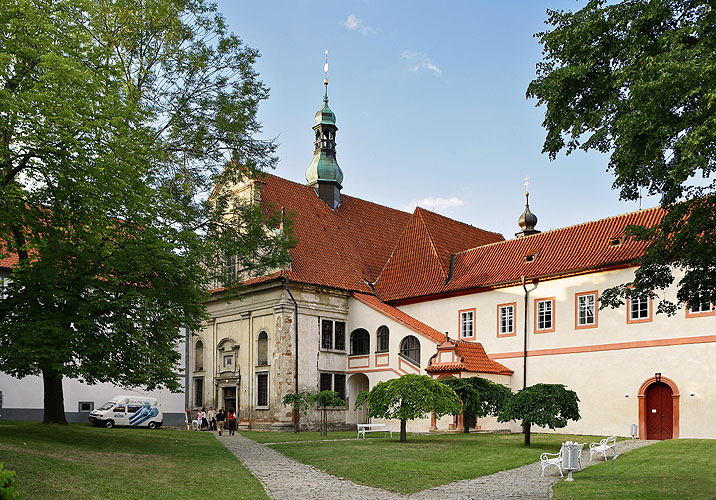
x: 286, y: 479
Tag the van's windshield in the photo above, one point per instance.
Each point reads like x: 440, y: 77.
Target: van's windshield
x: 108, y: 405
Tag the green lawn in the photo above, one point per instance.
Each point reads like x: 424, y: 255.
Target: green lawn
x: 80, y: 462
x: 683, y: 469
x: 282, y: 437
x: 422, y: 462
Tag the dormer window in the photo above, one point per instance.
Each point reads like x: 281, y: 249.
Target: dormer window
x: 531, y: 257
x: 615, y: 242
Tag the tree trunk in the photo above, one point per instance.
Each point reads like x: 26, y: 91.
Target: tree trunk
x: 526, y: 428
x: 296, y: 421
x: 403, y: 433
x: 53, y: 398
x: 324, y: 424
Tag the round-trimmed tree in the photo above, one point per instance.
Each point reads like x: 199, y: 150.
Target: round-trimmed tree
x: 407, y: 398
x: 543, y: 405
x: 480, y: 398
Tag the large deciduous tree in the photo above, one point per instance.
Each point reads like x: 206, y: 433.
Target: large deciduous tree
x: 116, y: 118
x: 409, y: 397
x: 543, y: 405
x: 636, y: 79
x: 480, y: 397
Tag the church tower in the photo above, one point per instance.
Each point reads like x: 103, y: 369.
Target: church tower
x: 323, y: 174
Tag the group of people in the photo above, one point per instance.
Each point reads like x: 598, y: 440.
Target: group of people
x: 212, y: 421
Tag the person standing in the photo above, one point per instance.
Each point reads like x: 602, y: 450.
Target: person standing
x: 220, y: 417
x: 232, y: 421
x: 211, y: 417
x: 199, y: 416
x: 204, y: 421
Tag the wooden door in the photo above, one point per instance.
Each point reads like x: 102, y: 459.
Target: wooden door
x: 659, y: 412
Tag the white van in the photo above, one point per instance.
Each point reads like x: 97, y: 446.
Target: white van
x: 133, y: 411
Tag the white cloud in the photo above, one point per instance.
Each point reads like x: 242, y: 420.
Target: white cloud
x: 419, y: 60
x: 435, y: 204
x: 353, y: 23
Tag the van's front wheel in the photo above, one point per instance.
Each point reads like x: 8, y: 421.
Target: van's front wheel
x: 109, y: 424
x: 152, y: 425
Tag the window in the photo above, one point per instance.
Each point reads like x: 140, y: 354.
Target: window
x: 228, y: 361
x: 4, y: 282
x: 467, y: 323
x: 262, y: 389
x: 199, y: 356
x: 340, y: 335
x: 586, y: 310
x: 410, y: 349
x: 701, y: 307
x: 119, y: 409
x: 383, y: 339
x: 360, y: 342
x: 506, y: 319
x: 84, y: 406
x: 230, y: 266
x: 639, y: 309
x: 262, y: 349
x: 133, y: 408
x: 333, y: 382
x: 199, y: 391
x: 333, y: 335
x: 326, y: 334
x: 544, y: 315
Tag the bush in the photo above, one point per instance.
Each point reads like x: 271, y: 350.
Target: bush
x: 8, y: 489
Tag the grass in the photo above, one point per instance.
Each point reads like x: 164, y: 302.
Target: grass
x: 81, y: 462
x: 283, y: 437
x: 683, y: 469
x: 422, y: 462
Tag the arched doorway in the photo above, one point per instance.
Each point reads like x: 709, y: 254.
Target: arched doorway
x: 357, y: 383
x: 658, y: 409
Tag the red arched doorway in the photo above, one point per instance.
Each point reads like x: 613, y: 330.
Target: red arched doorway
x: 658, y: 409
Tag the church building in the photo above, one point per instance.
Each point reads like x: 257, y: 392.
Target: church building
x: 372, y: 293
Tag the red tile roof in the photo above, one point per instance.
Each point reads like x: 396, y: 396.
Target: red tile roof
x: 576, y: 249
x: 8, y: 261
x: 401, y: 317
x: 420, y: 263
x: 471, y: 357
x: 340, y: 249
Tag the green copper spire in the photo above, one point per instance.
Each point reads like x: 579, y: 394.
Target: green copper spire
x: 324, y: 174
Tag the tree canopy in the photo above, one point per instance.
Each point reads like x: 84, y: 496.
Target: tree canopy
x: 543, y: 405
x: 409, y: 397
x: 116, y: 119
x: 636, y: 80
x: 480, y: 397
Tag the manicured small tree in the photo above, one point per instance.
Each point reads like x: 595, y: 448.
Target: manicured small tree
x: 480, y: 398
x: 409, y: 397
x: 543, y: 405
x: 299, y: 402
x: 323, y: 400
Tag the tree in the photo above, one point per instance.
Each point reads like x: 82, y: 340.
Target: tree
x: 323, y: 400
x: 409, y: 397
x: 636, y: 79
x: 480, y: 397
x: 543, y: 405
x: 299, y: 402
x: 117, y: 118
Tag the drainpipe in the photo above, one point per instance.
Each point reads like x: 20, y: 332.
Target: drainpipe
x: 295, y: 342
x: 523, y: 279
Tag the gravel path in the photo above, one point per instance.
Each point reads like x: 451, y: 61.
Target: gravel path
x: 286, y: 479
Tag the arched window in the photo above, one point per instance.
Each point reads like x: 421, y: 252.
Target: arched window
x: 410, y: 349
x: 360, y: 341
x: 383, y: 338
x: 199, y: 355
x: 262, y: 349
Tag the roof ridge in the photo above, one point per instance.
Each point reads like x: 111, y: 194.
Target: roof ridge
x: 457, y: 221
x: 431, y: 238
x: 551, y: 231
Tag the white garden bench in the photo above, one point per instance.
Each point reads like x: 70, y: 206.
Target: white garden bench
x: 363, y: 428
x: 547, y: 459
x: 604, y: 445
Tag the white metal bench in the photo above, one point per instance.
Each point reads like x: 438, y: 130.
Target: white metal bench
x: 363, y: 428
x: 547, y: 459
x: 603, y: 446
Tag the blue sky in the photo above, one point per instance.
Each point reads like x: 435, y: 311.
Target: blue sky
x: 430, y: 105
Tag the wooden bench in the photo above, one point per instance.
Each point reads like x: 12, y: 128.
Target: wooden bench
x: 363, y: 428
x: 603, y: 446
